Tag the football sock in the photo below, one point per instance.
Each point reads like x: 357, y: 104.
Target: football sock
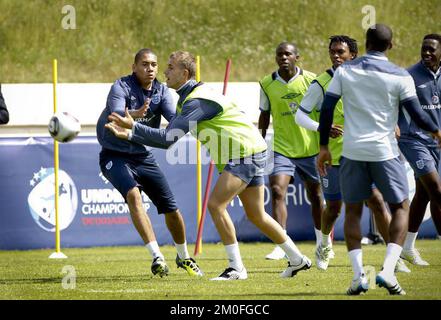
x: 356, y: 257
x: 291, y: 250
x: 234, y: 258
x: 318, y: 237
x: 409, y: 243
x: 326, y: 240
x: 153, y: 248
x: 393, y: 252
x: 182, y: 250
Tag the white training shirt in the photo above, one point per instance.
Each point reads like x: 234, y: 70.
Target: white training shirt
x: 371, y: 88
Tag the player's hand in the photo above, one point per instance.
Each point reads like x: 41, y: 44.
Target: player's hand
x: 336, y: 131
x: 324, y: 160
x: 397, y: 132
x: 437, y: 135
x: 124, y: 122
x: 141, y: 112
x: 118, y: 131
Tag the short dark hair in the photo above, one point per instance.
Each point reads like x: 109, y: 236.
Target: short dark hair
x: 286, y: 43
x: 433, y: 36
x: 142, y: 52
x: 379, y: 37
x: 352, y: 43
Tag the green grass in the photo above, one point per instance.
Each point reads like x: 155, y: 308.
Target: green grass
x: 109, y: 32
x: 124, y: 273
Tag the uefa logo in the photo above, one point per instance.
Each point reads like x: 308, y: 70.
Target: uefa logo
x: 41, y: 199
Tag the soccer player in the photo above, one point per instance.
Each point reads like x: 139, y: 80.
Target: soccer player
x: 419, y: 147
x: 341, y: 48
x: 236, y: 147
x: 372, y: 89
x: 131, y: 167
x: 295, y: 148
x: 4, y: 114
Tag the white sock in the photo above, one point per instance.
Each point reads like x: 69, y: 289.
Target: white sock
x: 326, y: 240
x: 291, y: 250
x: 182, y: 250
x: 318, y: 237
x: 439, y: 237
x: 356, y: 257
x: 153, y: 248
x: 393, y: 252
x: 409, y: 243
x: 234, y: 258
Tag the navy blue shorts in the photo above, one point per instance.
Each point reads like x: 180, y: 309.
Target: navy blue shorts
x: 357, y: 177
x: 126, y: 171
x: 422, y: 159
x: 305, y: 167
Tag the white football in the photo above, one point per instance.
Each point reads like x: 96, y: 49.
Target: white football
x: 64, y: 127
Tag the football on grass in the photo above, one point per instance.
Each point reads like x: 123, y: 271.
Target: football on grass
x: 64, y: 127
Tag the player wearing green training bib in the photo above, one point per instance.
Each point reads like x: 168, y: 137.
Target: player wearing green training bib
x: 295, y: 148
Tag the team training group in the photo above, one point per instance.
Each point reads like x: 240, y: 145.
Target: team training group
x: 345, y: 132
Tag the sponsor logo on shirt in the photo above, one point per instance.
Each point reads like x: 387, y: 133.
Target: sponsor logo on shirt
x: 430, y: 106
x: 291, y: 96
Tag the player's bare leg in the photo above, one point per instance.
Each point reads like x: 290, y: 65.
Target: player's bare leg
x: 253, y: 202
x: 144, y: 227
x: 278, y: 186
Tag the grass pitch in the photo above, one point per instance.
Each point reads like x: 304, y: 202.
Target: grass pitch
x: 124, y: 273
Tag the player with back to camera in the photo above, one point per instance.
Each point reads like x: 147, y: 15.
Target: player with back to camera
x: 372, y: 89
x: 341, y: 48
x: 295, y: 148
x: 420, y: 148
x: 131, y: 166
x: 236, y: 147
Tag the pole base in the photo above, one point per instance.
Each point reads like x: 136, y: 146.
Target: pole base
x: 57, y: 255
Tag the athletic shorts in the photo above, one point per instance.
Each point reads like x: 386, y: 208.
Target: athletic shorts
x: 331, y: 184
x: 305, y: 167
x: 249, y: 169
x: 357, y: 177
x: 421, y: 158
x: 126, y: 171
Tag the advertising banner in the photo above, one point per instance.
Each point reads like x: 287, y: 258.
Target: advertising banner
x: 93, y: 213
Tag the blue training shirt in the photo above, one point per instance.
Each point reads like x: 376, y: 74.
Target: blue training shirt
x: 127, y: 92
x: 428, y: 88
x: 195, y: 110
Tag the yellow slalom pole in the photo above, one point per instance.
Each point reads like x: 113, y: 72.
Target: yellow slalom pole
x: 57, y: 254
x: 199, y: 165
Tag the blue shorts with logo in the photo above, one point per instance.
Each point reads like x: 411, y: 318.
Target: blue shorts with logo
x: 126, y: 171
x: 357, y: 177
x: 305, y: 167
x: 249, y: 169
x: 421, y: 158
x: 331, y: 184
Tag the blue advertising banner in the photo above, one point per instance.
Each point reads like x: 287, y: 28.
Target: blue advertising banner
x: 93, y: 213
